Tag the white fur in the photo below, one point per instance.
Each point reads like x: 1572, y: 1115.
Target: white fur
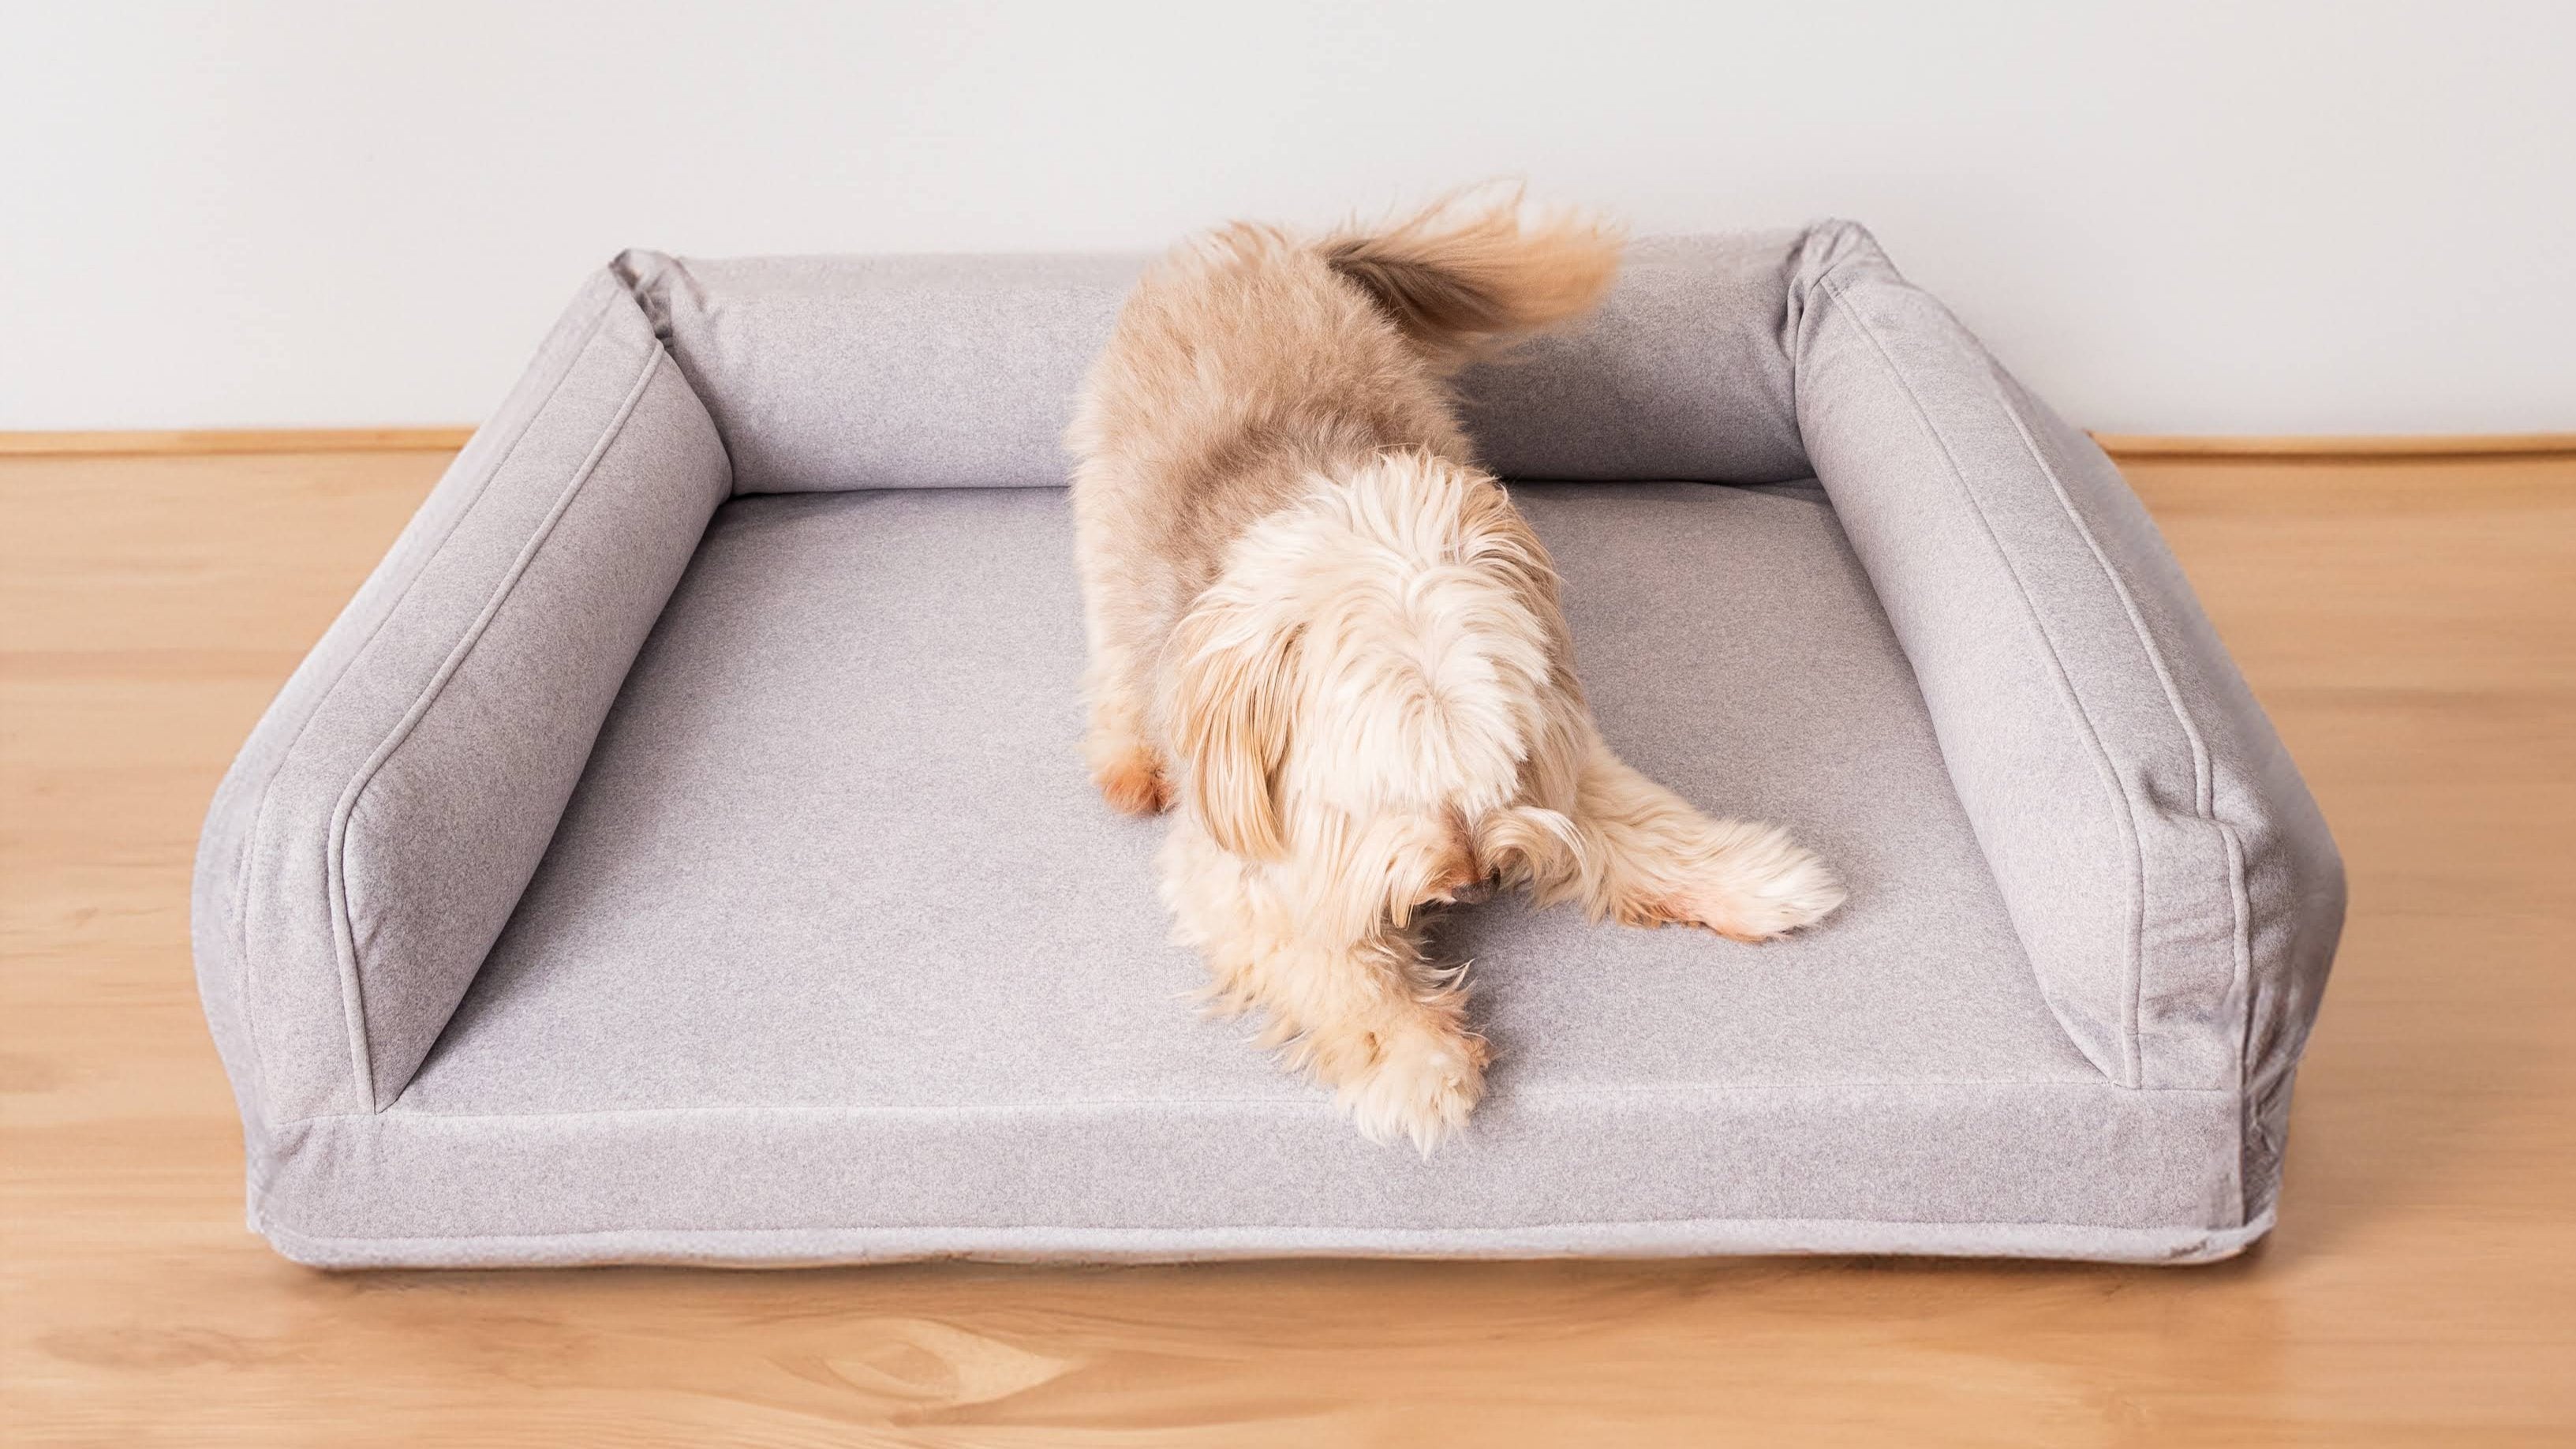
x: 1431, y: 742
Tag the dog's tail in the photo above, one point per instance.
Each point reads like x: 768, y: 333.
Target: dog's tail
x: 1458, y: 278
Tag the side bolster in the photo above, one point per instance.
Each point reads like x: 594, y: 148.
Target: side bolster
x: 2283, y: 860
x: 2166, y: 869
x: 380, y: 824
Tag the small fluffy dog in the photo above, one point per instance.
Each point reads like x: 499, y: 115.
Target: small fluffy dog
x: 1323, y: 631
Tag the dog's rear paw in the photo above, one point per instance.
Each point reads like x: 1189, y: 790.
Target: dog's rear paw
x: 1760, y: 887
x: 1131, y: 779
x: 1419, y: 1079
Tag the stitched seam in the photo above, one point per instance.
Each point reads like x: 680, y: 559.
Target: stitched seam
x: 2239, y: 899
x: 258, y: 830
x: 353, y: 988
x: 2202, y: 773
x: 2153, y: 1233
x: 2057, y: 669
x: 1299, y: 1104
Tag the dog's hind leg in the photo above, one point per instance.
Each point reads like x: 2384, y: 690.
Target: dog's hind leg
x: 1119, y: 744
x: 1118, y: 682
x: 1647, y: 858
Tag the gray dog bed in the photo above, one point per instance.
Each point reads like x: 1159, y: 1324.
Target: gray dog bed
x: 679, y: 851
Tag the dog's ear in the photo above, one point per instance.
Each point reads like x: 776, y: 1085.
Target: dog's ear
x: 1227, y: 709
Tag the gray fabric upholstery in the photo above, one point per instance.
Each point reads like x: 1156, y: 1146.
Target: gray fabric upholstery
x: 2168, y: 873
x: 1682, y: 374
x: 365, y: 850
x: 827, y: 373
x: 835, y: 873
x: 831, y: 953
x: 854, y: 729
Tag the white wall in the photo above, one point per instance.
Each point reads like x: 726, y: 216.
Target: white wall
x: 2274, y: 218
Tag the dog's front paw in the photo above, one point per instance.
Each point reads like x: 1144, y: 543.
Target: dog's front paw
x: 1758, y: 887
x: 1132, y: 779
x: 1417, y: 1078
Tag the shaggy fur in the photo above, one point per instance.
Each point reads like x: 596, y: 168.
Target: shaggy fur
x: 1327, y: 635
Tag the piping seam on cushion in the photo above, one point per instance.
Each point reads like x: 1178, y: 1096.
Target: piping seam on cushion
x: 2249, y: 1231
x: 945, y: 1109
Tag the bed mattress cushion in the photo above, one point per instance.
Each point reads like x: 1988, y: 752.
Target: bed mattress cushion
x: 835, y: 891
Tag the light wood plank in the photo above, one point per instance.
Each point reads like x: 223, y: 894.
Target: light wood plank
x: 2404, y: 621
x: 206, y: 442
x: 2141, y: 447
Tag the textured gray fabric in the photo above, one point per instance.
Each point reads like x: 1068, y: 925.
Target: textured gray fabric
x: 1661, y: 1238
x: 832, y: 955
x: 377, y: 830
x: 1927, y: 1165
x: 835, y: 934
x: 842, y: 791
x: 2160, y: 857
x: 826, y: 373
x: 1682, y: 373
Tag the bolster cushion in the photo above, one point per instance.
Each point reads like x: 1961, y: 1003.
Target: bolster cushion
x: 832, y: 373
x: 378, y: 829
x: 2167, y: 871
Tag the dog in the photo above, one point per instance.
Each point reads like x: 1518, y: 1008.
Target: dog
x: 1327, y: 636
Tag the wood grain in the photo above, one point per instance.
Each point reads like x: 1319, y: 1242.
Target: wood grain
x: 2141, y: 447
x: 205, y: 442
x: 2406, y: 622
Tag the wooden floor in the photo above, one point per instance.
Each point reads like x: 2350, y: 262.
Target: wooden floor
x: 2411, y: 626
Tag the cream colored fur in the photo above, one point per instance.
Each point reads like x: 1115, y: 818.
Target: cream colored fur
x: 1322, y: 630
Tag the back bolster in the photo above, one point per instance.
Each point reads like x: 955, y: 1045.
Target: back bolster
x: 830, y: 373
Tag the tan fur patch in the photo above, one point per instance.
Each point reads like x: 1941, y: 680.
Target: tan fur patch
x: 1134, y: 785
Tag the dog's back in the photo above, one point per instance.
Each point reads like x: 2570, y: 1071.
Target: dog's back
x: 1246, y: 365
x: 1243, y: 364
x: 1249, y: 361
